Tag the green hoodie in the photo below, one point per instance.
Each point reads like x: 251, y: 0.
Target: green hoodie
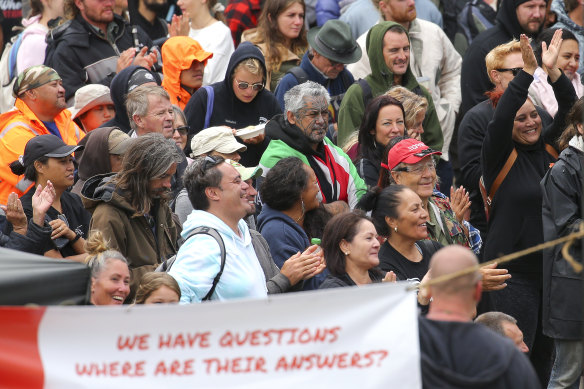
x: 380, y: 80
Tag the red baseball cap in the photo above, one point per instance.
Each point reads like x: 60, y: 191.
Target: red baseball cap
x: 408, y: 151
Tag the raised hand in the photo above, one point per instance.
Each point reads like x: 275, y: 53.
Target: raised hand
x: 180, y: 25
x: 549, y: 56
x: 145, y: 59
x: 42, y: 200
x: 389, y: 277
x: 460, y: 203
x: 529, y: 62
x: 15, y: 214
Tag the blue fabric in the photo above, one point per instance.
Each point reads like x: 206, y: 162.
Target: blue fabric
x: 427, y: 10
x: 361, y: 16
x: 52, y: 127
x: 285, y: 238
x: 327, y: 10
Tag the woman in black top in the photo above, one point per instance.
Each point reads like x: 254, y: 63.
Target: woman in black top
x: 350, y: 248
x: 397, y: 213
x: 515, y: 221
x: 384, y: 120
x: 47, y: 158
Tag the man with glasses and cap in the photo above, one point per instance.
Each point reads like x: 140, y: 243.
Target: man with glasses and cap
x: 331, y: 48
x: 40, y: 108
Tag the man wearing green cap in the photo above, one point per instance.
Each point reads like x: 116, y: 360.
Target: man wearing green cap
x: 332, y: 46
x: 39, y: 109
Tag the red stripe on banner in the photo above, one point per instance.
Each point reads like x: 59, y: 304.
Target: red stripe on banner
x: 20, y: 360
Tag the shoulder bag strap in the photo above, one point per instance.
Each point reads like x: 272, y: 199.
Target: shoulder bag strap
x: 210, y: 100
x: 502, y: 174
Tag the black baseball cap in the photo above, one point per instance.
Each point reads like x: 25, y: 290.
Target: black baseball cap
x: 46, y: 146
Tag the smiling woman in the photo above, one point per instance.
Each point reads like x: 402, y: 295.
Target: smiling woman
x: 47, y: 158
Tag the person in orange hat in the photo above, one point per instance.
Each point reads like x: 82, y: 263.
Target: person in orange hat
x: 184, y: 61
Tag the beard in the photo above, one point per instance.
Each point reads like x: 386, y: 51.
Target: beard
x: 155, y: 7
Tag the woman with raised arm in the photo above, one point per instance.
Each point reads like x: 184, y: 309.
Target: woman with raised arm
x: 515, y: 136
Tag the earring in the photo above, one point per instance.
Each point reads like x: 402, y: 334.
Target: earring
x: 395, y: 229
x: 347, y: 253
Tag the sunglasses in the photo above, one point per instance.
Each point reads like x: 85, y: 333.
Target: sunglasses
x: 258, y: 86
x: 182, y: 130
x: 515, y: 71
x: 208, y: 163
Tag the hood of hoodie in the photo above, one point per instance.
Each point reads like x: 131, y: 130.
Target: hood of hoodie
x: 95, y: 157
x: 268, y: 214
x: 280, y: 129
x: 559, y: 9
x: 178, y: 53
x: 118, y: 92
x: 441, y: 367
x: 244, y: 51
x: 380, y: 73
x: 205, y: 219
x: 507, y: 17
x: 100, y: 188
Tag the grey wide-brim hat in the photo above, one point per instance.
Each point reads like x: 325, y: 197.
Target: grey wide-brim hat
x: 335, y: 41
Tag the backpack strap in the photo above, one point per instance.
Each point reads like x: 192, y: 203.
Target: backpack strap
x: 166, y: 265
x: 210, y: 100
x: 367, y: 92
x: 551, y: 151
x: 12, y: 57
x: 299, y: 73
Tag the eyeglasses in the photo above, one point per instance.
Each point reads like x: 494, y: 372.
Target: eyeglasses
x: 515, y: 71
x: 417, y: 168
x: 182, y: 130
x: 335, y: 63
x: 258, y: 86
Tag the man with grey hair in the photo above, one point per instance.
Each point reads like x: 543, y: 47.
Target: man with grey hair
x: 300, y: 132
x: 504, y: 325
x: 149, y: 110
x: 131, y: 207
x: 457, y: 353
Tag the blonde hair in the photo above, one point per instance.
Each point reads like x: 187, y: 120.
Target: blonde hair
x: 151, y: 282
x: 496, y: 57
x: 252, y: 65
x: 413, y: 104
x: 100, y: 253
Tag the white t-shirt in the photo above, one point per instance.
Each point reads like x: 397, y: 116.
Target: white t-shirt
x: 216, y: 39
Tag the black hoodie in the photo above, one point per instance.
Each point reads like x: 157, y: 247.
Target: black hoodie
x: 229, y: 111
x: 469, y: 355
x: 118, y: 92
x: 474, y: 79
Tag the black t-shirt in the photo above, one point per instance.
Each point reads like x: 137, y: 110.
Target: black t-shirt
x: 391, y: 260
x: 73, y: 212
x: 12, y: 12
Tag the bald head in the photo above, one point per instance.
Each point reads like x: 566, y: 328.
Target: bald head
x: 452, y: 259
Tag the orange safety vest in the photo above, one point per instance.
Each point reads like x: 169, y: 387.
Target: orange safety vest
x: 17, y: 127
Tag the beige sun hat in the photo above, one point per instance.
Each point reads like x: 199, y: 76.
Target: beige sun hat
x: 88, y: 97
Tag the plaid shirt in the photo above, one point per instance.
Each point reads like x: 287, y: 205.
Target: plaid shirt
x: 241, y: 15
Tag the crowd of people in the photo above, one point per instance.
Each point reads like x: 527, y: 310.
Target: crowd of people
x: 279, y: 146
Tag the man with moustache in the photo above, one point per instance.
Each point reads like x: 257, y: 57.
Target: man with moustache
x: 300, y: 132
x: 40, y: 109
x: 146, y: 14
x: 131, y: 209
x: 388, y: 48
x: 95, y: 44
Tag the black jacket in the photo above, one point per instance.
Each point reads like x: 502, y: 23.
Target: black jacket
x: 473, y: 77
x: 515, y: 222
x: 118, y: 92
x: 229, y: 111
x: 35, y: 240
x: 468, y: 355
x: 81, y: 56
x: 331, y: 281
x: 562, y: 215
x: 471, y: 134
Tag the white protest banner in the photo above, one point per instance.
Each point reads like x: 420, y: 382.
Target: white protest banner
x: 340, y: 338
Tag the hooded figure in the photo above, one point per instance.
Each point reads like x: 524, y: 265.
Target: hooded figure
x: 183, y: 54
x: 124, y: 82
x: 229, y: 110
x: 380, y: 81
x: 474, y: 79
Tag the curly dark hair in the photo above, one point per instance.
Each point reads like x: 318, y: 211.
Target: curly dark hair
x: 284, y: 184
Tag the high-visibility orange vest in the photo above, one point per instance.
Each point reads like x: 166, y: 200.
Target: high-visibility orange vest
x: 17, y: 127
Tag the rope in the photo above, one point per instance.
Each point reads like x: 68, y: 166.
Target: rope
x: 568, y: 240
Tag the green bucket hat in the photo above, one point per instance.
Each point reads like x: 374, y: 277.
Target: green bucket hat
x: 335, y: 41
